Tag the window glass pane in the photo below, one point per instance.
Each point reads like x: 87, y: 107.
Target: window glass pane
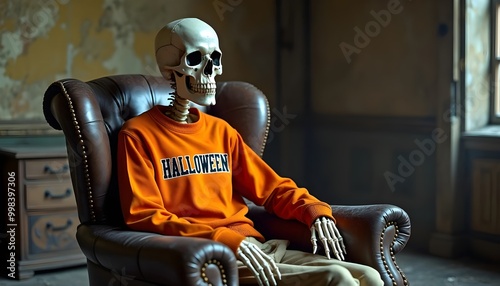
x: 497, y: 32
x: 497, y: 89
x: 480, y: 67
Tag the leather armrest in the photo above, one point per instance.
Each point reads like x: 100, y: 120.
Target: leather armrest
x: 158, y: 259
x: 373, y: 234
x: 365, y: 227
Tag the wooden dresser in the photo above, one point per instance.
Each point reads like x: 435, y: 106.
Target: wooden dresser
x: 40, y: 215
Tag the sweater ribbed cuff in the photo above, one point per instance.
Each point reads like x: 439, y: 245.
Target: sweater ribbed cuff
x: 229, y: 237
x: 315, y: 211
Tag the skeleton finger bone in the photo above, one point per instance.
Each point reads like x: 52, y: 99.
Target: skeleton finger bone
x: 269, y: 265
x: 319, y: 228
x: 259, y: 263
x: 327, y: 224
x: 333, y: 242
x: 314, y: 240
x: 325, y: 229
x: 341, y: 239
x: 328, y: 238
x: 244, y: 256
x: 337, y: 240
x: 262, y: 265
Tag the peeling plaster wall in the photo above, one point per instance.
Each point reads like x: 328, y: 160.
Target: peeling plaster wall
x: 42, y: 41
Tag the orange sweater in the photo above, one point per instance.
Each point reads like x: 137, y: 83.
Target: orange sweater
x: 190, y: 180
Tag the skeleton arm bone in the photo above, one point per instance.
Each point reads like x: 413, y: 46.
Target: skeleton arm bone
x: 259, y: 263
x: 329, y: 235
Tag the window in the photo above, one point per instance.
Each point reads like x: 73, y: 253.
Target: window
x: 495, y: 61
x: 479, y: 74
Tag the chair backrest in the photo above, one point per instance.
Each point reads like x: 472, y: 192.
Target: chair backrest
x: 92, y: 113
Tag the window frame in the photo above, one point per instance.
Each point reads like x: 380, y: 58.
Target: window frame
x: 495, y: 62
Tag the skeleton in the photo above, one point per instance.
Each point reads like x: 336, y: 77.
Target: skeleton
x: 188, y: 55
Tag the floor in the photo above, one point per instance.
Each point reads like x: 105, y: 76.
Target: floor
x: 420, y: 269
x: 425, y: 270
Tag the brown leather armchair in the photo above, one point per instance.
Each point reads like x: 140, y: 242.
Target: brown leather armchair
x: 91, y: 114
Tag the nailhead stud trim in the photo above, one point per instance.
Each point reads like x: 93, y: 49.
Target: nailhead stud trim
x: 393, y: 257
x: 221, y: 269
x: 266, y: 135
x: 85, y: 162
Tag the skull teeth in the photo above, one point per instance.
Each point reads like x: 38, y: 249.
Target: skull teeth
x: 207, y: 88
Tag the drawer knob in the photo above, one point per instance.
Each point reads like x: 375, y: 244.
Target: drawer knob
x: 49, y: 225
x: 48, y: 194
x: 52, y: 171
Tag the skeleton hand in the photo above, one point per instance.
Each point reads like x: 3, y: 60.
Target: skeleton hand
x: 261, y: 265
x: 329, y: 236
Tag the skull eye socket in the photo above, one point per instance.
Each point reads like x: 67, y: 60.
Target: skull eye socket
x: 215, y: 56
x: 194, y: 58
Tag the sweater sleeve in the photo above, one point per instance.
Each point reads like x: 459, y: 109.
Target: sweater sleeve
x: 142, y: 204
x: 258, y: 182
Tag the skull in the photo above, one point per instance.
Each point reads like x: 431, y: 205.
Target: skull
x: 187, y: 52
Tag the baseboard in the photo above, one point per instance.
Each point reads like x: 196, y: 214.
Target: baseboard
x: 485, y: 249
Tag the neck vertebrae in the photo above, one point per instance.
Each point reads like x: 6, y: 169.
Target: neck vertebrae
x: 179, y: 109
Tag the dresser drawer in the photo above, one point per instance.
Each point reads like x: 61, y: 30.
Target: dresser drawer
x: 55, y: 195
x: 47, y: 168
x: 51, y: 233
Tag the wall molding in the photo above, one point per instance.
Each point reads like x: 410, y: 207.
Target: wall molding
x: 485, y: 139
x: 375, y: 123
x: 26, y: 128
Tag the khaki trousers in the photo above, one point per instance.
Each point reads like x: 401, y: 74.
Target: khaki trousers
x: 302, y: 268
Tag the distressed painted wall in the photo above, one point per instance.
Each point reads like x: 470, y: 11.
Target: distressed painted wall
x: 374, y: 58
x: 375, y: 91
x: 42, y: 41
